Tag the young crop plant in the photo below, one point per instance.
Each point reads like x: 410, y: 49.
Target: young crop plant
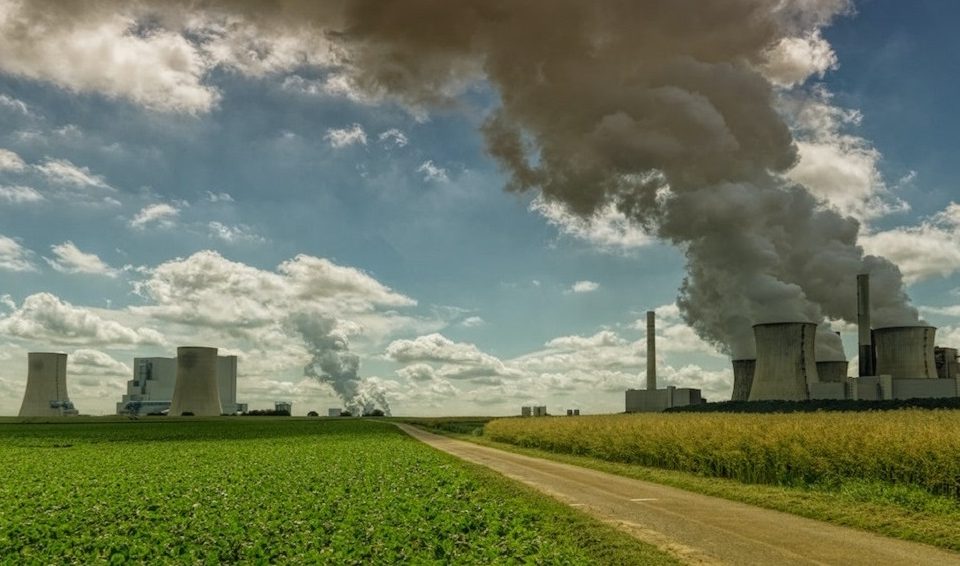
x: 274, y: 491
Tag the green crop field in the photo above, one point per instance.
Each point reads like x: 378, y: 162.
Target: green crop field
x: 273, y: 491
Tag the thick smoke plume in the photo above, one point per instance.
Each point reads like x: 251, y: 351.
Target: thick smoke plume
x: 665, y: 108
x: 333, y: 363
x: 661, y: 107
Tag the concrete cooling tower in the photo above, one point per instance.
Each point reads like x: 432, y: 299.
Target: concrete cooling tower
x: 196, y: 390
x: 46, y: 394
x: 743, y: 371
x: 785, y: 361
x: 832, y: 372
x: 905, y: 352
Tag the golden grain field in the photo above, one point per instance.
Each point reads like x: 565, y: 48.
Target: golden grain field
x: 908, y: 447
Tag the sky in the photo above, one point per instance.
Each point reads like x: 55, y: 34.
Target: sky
x: 299, y: 197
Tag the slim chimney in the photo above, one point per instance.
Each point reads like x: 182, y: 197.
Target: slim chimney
x: 651, y: 352
x: 863, y: 325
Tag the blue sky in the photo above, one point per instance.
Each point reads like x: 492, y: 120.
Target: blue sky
x: 458, y: 296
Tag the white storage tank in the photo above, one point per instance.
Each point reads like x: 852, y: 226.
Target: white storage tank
x: 785, y: 361
x: 196, y: 390
x: 743, y: 371
x: 46, y: 392
x: 905, y: 352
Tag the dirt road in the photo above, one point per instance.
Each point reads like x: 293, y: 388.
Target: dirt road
x: 698, y: 529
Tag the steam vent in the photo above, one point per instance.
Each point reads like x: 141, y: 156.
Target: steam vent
x: 196, y: 390
x: 46, y: 394
x: 785, y: 361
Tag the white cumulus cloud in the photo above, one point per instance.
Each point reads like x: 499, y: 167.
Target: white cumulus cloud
x: 103, y: 52
x: 69, y: 259
x: 89, y: 362
x: 161, y: 215
x: 433, y: 172
x: 10, y: 161
x: 584, y: 287
x: 608, y: 229
x: 14, y: 257
x: 233, y: 234
x: 393, y: 137
x: 18, y: 194
x: 44, y: 317
x: 344, y: 137
x: 929, y: 249
x: 795, y: 59
x: 63, y: 172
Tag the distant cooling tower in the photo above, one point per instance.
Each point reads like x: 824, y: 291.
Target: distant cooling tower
x: 832, y: 372
x: 905, y: 352
x: 196, y: 390
x: 743, y: 371
x: 46, y: 394
x: 785, y: 361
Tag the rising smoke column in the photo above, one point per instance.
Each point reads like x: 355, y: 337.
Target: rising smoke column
x: 662, y: 107
x: 333, y: 363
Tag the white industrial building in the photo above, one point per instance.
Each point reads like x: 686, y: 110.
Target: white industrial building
x: 46, y: 391
x: 154, y: 380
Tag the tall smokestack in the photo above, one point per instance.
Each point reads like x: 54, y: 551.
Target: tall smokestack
x: 863, y: 325
x: 651, y: 351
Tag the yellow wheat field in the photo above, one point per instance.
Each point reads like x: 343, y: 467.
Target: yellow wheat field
x: 910, y: 447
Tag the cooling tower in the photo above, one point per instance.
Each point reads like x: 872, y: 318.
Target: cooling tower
x: 785, y: 361
x: 196, y: 390
x: 651, y: 351
x: 46, y: 394
x: 905, y: 352
x: 832, y: 372
x: 743, y: 379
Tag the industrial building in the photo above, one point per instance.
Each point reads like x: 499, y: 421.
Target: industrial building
x: 900, y: 362
x: 651, y: 399
x: 283, y: 407
x: 154, y: 380
x: 46, y: 392
x: 534, y: 411
x: 335, y: 412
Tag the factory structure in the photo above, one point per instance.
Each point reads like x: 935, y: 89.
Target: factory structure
x: 197, y: 382
x: 46, y: 392
x: 899, y: 362
x: 651, y: 399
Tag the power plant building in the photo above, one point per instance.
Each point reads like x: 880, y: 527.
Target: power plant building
x: 154, y: 379
x: 651, y: 399
x: 898, y: 362
x: 46, y: 391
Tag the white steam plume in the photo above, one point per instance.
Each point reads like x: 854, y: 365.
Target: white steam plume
x: 333, y: 363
